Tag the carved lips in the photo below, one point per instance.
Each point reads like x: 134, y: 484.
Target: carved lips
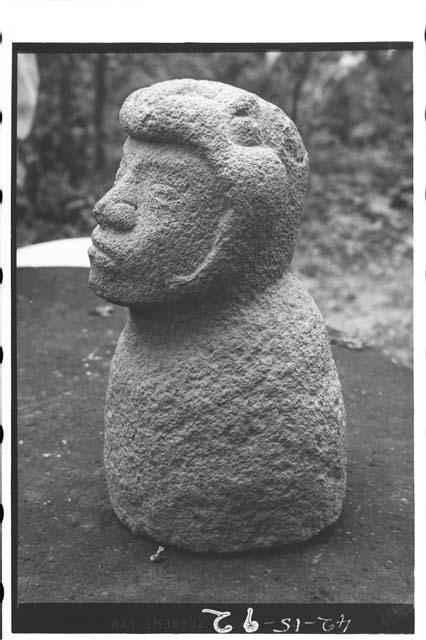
x: 99, y: 250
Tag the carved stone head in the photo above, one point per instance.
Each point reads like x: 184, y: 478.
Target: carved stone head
x: 208, y: 196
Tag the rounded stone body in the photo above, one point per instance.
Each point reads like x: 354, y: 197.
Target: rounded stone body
x: 225, y: 423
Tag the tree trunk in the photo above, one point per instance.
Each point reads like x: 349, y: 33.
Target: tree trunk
x: 65, y: 105
x: 302, y: 74
x: 99, y: 110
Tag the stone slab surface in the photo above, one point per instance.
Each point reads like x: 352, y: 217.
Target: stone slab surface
x: 73, y: 548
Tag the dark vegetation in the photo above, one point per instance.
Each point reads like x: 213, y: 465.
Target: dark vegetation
x: 354, y: 111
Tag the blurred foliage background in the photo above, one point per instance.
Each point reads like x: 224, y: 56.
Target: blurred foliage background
x: 354, y: 111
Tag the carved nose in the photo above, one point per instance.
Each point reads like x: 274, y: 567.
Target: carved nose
x: 98, y: 210
x: 112, y: 212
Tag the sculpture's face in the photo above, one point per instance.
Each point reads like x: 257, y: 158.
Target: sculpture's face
x: 156, y: 223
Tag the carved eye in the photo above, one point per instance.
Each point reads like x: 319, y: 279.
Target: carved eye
x: 163, y: 193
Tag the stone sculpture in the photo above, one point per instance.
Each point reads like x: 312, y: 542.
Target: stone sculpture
x: 224, y: 420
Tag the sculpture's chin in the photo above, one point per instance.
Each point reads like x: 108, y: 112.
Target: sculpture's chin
x: 102, y: 287
x: 120, y: 291
x: 104, y: 279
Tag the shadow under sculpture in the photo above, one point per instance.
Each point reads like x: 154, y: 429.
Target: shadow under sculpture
x: 224, y: 419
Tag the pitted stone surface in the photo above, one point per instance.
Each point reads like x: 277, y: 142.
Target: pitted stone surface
x: 224, y: 415
x: 223, y: 423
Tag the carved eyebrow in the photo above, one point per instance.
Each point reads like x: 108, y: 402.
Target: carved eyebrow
x: 121, y: 170
x: 163, y: 186
x: 172, y: 180
x: 163, y: 170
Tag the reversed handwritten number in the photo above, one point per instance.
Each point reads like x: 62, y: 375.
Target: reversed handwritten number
x: 250, y: 626
x: 220, y: 616
x: 342, y: 622
x: 286, y: 622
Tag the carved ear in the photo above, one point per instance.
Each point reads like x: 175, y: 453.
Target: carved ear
x: 204, y: 269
